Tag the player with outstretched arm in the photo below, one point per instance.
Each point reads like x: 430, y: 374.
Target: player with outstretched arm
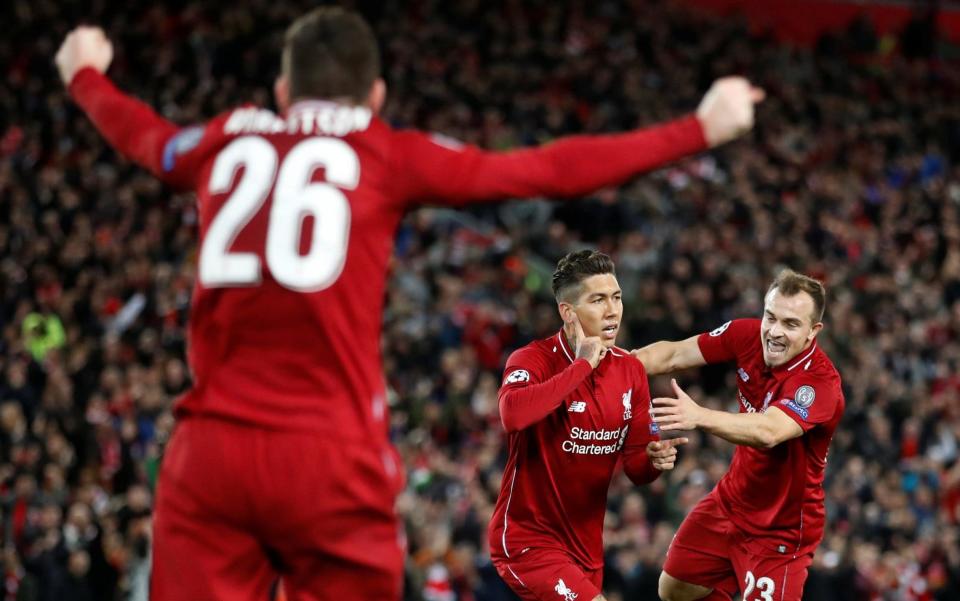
x: 758, y: 529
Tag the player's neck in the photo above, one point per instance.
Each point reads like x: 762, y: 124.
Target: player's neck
x: 338, y: 101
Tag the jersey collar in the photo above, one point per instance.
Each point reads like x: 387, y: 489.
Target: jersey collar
x: 569, y: 353
x: 800, y: 364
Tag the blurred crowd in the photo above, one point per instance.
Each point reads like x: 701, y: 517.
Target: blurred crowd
x: 851, y: 176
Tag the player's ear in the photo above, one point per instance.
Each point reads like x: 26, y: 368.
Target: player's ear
x: 566, y: 311
x: 377, y: 96
x: 814, y: 330
x: 281, y: 93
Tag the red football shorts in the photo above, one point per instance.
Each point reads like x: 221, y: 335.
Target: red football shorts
x: 549, y: 575
x: 237, y: 507
x: 710, y: 551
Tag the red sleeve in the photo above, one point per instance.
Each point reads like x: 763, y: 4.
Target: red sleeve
x: 527, y: 396
x: 171, y: 153
x: 636, y: 463
x: 435, y: 170
x: 729, y: 340
x: 810, y: 400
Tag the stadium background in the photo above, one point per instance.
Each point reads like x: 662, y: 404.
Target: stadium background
x: 851, y: 176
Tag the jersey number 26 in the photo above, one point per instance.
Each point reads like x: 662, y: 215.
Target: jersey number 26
x: 294, y: 198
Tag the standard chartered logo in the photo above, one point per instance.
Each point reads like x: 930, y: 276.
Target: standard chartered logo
x: 595, y: 442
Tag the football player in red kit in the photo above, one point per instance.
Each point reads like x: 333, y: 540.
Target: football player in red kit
x: 757, y: 530
x: 574, y: 406
x: 281, y: 463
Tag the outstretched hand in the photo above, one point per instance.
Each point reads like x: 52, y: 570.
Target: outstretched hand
x: 85, y: 46
x: 727, y: 109
x: 681, y: 413
x: 663, y: 453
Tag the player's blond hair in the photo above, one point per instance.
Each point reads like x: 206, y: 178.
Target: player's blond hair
x: 789, y: 283
x: 330, y: 53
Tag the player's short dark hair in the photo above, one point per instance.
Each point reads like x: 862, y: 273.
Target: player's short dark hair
x: 330, y: 53
x: 789, y: 283
x: 576, y: 267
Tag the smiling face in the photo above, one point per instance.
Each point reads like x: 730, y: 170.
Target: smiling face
x: 599, y: 307
x: 788, y: 326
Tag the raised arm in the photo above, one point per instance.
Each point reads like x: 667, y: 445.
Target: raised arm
x: 524, y: 402
x: 131, y: 127
x: 667, y: 356
x: 434, y: 170
x: 525, y: 398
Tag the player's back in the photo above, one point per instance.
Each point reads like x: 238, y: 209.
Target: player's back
x: 296, y: 228
x: 297, y: 216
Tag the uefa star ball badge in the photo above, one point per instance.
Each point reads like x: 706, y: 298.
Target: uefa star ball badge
x: 805, y: 396
x: 518, y: 375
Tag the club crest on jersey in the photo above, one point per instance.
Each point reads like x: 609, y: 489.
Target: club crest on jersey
x: 182, y: 142
x: 720, y: 330
x: 805, y: 396
x: 626, y: 398
x: 517, y: 375
x: 564, y: 591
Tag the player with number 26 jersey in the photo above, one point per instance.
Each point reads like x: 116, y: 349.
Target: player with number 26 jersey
x: 297, y: 218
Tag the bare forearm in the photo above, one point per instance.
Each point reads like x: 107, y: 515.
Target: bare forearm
x: 668, y: 356
x: 749, y: 429
x: 657, y: 358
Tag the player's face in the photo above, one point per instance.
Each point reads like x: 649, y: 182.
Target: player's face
x: 787, y: 328
x: 600, y: 307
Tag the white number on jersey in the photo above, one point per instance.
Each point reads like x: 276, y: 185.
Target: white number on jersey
x: 294, y: 198
x: 764, y: 585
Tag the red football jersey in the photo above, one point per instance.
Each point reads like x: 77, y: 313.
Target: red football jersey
x: 777, y: 494
x: 297, y: 220
x: 554, y: 489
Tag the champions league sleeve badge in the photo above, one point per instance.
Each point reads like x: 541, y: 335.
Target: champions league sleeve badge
x: 517, y: 375
x: 805, y: 396
x: 720, y: 330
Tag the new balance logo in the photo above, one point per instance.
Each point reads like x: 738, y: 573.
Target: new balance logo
x: 564, y: 591
x: 577, y: 407
x: 743, y: 375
